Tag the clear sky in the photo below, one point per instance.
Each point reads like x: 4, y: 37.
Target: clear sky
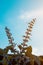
x: 15, y: 14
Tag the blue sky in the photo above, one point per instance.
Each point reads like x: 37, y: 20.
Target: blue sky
x: 15, y: 14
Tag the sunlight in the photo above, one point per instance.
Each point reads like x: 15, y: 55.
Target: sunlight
x: 34, y: 13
